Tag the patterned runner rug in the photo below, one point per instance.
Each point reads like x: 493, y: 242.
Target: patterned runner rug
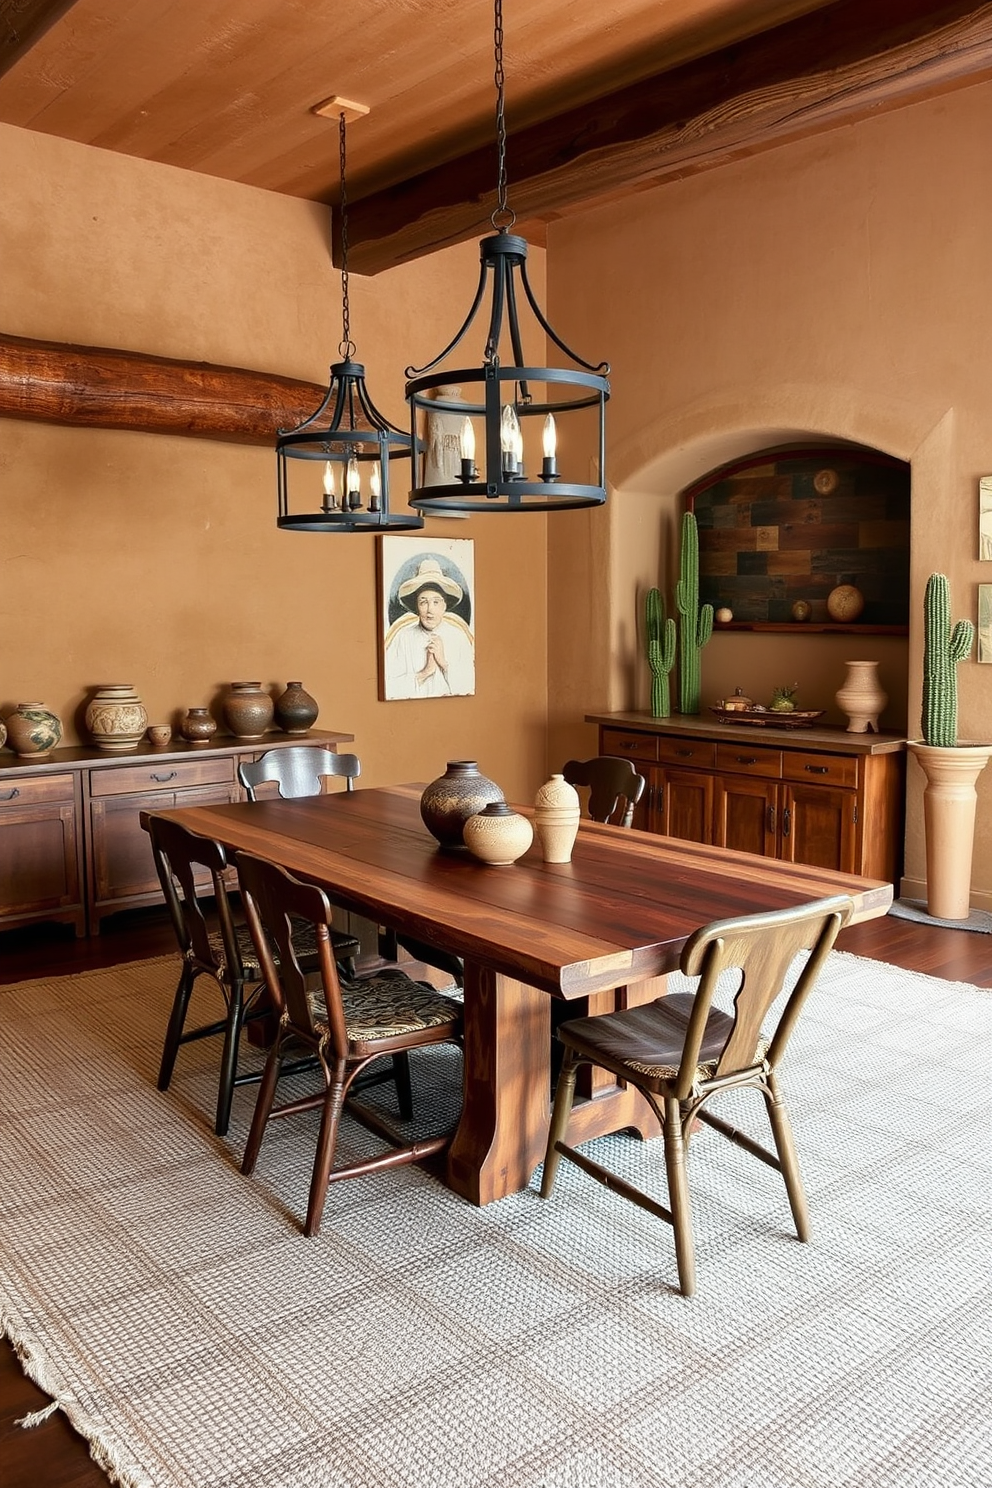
x: 175, y: 1312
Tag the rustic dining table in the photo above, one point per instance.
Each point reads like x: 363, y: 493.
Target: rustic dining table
x: 601, y: 931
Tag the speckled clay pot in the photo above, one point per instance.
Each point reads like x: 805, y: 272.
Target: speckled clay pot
x: 198, y: 727
x: 449, y: 801
x: 33, y: 730
x: 296, y: 710
x: 498, y: 834
x: 248, y: 710
x: 116, y: 717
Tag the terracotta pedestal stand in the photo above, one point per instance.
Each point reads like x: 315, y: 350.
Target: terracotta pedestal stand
x: 949, y: 803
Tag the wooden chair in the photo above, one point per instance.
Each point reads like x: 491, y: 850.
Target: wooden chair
x: 614, y: 787
x: 348, y: 1027
x: 680, y: 1051
x: 297, y: 771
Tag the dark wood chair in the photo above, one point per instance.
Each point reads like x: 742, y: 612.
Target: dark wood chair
x: 298, y: 770
x: 614, y: 787
x: 681, y: 1050
x: 348, y: 1028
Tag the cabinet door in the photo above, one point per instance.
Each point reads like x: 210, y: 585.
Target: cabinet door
x: 39, y: 852
x: 745, y: 814
x: 819, y: 827
x: 123, y: 871
x: 681, y: 804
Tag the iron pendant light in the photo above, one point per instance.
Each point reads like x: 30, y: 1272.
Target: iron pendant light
x: 348, y: 435
x: 499, y: 401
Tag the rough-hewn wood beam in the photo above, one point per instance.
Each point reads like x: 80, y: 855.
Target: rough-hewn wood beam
x: 23, y: 22
x: 806, y: 75
x: 107, y: 389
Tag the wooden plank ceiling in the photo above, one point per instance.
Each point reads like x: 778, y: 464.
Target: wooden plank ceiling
x: 601, y: 100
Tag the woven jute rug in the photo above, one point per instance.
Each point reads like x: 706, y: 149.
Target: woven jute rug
x: 174, y: 1311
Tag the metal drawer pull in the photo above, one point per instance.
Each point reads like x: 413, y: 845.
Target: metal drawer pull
x: 747, y: 760
x: 771, y: 820
x: 685, y: 753
x: 817, y: 769
x: 9, y: 795
x: 786, y: 822
x: 163, y: 778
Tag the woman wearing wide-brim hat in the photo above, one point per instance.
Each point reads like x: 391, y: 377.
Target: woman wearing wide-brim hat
x: 429, y: 653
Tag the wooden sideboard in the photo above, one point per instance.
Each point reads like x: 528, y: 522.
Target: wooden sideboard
x: 807, y: 795
x: 71, y: 845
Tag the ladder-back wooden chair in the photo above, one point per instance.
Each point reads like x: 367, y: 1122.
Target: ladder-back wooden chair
x: 348, y: 1027
x: 614, y: 787
x: 680, y: 1051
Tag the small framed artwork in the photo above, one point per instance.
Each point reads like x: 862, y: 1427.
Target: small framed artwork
x: 426, y: 617
x: 985, y: 517
x: 985, y: 622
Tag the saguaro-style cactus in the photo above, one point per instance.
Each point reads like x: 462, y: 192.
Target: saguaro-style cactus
x: 943, y: 648
x: 661, y: 652
x: 695, y: 623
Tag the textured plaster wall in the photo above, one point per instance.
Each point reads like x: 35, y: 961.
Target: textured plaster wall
x: 156, y: 560
x: 838, y: 287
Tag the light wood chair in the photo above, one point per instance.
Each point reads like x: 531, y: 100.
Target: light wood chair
x: 614, y: 787
x: 348, y: 1028
x: 680, y: 1051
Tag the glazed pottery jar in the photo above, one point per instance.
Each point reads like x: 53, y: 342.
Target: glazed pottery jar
x: 116, y: 717
x: 556, y: 819
x: 498, y: 834
x: 248, y: 710
x: 862, y: 697
x: 296, y: 710
x: 449, y: 801
x: 33, y: 730
x: 198, y: 727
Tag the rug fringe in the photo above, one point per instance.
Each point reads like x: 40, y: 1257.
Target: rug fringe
x: 127, y: 1474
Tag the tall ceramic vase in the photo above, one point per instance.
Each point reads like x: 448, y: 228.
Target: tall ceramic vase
x: 949, y: 804
x: 556, y: 819
x: 862, y: 697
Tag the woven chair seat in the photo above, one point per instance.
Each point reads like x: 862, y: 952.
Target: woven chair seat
x: 387, y: 1005
x: 304, y: 940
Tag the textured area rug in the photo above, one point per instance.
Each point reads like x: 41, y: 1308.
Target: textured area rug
x: 915, y: 909
x: 178, y: 1316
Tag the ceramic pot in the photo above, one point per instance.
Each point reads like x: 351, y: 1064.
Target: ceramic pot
x: 160, y: 734
x: 862, y: 697
x: 248, y: 710
x: 845, y: 603
x: 949, y: 806
x: 116, y: 717
x: 498, y: 834
x: 296, y: 710
x: 3, y: 733
x: 449, y: 801
x: 198, y: 727
x: 556, y: 819
x: 33, y: 730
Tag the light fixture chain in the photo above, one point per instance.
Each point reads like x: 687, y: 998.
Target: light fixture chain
x: 502, y: 217
x: 346, y: 348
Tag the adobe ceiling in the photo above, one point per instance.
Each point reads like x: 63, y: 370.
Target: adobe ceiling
x: 601, y: 100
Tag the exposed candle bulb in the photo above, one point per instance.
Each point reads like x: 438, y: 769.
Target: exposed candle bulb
x: 375, y: 487
x: 353, y: 485
x: 467, y: 442
x: 510, y: 440
x: 549, y: 440
x: 330, y: 495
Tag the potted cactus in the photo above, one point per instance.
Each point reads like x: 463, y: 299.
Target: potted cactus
x: 951, y: 768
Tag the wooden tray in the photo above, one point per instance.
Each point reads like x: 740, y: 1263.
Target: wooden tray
x: 767, y: 718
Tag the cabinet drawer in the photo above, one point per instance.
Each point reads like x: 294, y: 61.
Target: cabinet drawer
x: 630, y: 746
x: 169, y: 775
x: 741, y: 759
x: 832, y: 769
x: 698, y: 752
x: 31, y: 790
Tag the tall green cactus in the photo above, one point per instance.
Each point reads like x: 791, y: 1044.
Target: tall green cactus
x: 661, y: 652
x: 695, y: 623
x: 943, y: 648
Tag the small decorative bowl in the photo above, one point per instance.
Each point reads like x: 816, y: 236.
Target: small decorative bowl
x: 160, y: 734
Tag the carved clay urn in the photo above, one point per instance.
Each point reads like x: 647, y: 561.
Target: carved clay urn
x: 449, y: 801
x: 248, y: 710
x: 116, y: 717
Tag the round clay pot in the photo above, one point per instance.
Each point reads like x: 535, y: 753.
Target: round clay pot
x: 160, y: 734
x: 198, y: 727
x: 449, y: 801
x: 248, y: 710
x: 296, y: 710
x: 498, y: 834
x: 33, y: 730
x: 116, y: 717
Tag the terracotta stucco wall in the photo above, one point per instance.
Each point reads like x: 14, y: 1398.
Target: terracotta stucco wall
x: 838, y: 287
x: 156, y: 560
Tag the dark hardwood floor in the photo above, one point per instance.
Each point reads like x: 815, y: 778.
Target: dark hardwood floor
x: 52, y: 1454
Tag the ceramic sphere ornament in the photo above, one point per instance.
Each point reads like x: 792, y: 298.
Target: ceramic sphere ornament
x: 497, y: 834
x: 801, y: 610
x: 845, y: 603
x: 723, y: 616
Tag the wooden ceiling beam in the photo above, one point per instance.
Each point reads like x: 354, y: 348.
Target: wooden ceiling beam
x: 23, y: 22
x: 807, y: 75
